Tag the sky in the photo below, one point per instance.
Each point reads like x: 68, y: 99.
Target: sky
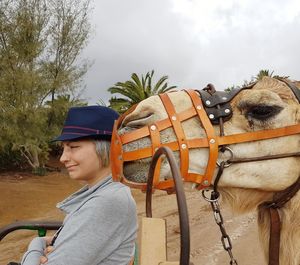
x: 193, y: 42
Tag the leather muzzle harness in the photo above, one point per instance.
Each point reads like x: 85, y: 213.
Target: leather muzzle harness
x: 218, y: 108
x: 211, y: 108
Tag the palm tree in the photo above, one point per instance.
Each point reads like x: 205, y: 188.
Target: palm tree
x: 136, y: 90
x: 263, y: 73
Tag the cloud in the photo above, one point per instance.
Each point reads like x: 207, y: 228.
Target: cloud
x: 193, y: 42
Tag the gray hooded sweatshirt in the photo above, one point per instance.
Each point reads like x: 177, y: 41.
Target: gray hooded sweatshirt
x: 100, y: 228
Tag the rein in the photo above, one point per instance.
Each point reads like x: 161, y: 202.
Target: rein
x: 212, y: 107
x: 279, y: 200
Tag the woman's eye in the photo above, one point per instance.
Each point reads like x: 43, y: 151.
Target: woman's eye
x: 74, y: 146
x: 262, y: 112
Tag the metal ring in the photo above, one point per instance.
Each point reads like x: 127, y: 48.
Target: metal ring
x: 226, y: 163
x: 208, y: 199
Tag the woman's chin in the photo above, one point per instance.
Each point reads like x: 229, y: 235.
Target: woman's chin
x: 75, y: 176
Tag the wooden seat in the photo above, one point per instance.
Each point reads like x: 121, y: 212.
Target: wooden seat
x: 153, y: 242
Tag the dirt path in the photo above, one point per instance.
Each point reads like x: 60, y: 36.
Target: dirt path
x: 34, y: 198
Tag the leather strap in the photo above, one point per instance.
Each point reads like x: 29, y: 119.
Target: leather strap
x: 259, y: 135
x: 274, y: 243
x: 161, y: 124
x: 279, y: 200
x: 282, y: 197
x: 261, y: 158
x: 155, y: 140
x: 116, y: 154
x: 179, y: 132
x: 211, y: 138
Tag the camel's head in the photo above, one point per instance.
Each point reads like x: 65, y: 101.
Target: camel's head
x: 269, y: 104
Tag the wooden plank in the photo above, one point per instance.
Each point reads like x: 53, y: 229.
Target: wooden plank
x: 152, y: 241
x: 169, y: 263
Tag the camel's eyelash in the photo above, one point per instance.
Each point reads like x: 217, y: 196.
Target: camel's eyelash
x: 262, y: 112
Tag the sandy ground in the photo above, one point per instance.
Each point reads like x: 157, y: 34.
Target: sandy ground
x: 24, y: 197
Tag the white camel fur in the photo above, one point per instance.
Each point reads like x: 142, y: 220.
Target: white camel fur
x: 245, y: 185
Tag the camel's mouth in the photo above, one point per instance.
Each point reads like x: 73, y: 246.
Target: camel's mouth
x: 135, y: 171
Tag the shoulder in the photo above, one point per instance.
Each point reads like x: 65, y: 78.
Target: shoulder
x: 119, y: 195
x: 113, y: 197
x: 115, y: 190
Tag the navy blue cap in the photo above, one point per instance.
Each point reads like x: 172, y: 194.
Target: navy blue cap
x: 88, y: 122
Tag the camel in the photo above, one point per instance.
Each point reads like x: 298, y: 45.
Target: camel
x: 244, y: 186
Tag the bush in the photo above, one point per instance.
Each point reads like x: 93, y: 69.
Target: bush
x: 40, y: 171
x: 12, y: 159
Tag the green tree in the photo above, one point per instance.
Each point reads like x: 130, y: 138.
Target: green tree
x: 265, y: 72
x: 57, y: 110
x: 136, y: 90
x: 262, y: 73
x: 40, y: 44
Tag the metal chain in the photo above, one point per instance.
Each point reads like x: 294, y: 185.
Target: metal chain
x: 225, y: 239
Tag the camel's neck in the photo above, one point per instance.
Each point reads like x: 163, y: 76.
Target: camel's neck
x: 243, y: 200
x: 290, y: 231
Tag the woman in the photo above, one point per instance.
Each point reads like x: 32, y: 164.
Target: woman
x: 101, y: 223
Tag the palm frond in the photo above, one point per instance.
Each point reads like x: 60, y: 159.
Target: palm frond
x: 159, y: 83
x: 127, y: 87
x: 136, y: 90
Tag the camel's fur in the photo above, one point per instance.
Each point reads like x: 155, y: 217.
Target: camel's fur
x: 244, y: 186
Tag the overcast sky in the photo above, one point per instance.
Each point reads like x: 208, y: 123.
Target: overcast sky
x: 193, y: 42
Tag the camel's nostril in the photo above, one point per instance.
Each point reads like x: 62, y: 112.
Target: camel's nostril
x: 138, y: 119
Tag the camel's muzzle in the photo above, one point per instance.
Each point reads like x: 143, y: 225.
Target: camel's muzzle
x: 212, y: 107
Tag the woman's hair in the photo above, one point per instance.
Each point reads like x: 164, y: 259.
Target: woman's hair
x: 102, y: 149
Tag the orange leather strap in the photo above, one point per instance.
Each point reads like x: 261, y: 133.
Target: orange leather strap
x: 183, y: 148
x: 162, y: 124
x: 211, y: 137
x: 259, y: 135
x: 116, y: 155
x: 155, y: 140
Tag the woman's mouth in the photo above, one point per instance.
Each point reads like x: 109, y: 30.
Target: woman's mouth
x: 71, y: 167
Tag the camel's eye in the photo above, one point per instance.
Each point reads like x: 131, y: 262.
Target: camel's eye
x: 262, y: 112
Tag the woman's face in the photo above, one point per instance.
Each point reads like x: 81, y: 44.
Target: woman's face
x: 81, y: 161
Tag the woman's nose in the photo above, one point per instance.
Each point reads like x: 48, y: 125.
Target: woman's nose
x: 64, y: 156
